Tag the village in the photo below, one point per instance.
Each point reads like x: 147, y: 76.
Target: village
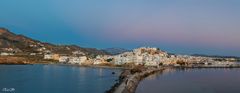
x: 145, y: 56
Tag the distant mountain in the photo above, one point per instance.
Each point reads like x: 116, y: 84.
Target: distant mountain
x: 21, y: 43
x: 115, y: 51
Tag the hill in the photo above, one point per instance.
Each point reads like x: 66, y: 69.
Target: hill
x: 22, y: 44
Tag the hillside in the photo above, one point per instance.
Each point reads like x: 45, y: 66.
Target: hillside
x: 24, y: 44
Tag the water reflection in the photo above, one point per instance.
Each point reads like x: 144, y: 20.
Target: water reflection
x: 56, y: 78
x: 188, y: 80
x: 100, y: 72
x: 157, y: 75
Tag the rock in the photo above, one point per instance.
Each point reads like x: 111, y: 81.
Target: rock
x: 113, y: 73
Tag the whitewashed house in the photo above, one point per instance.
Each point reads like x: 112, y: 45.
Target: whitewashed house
x: 139, y: 60
x: 152, y: 63
x: 63, y: 59
x: 48, y: 56
x: 77, y: 60
x: 74, y: 60
x: 78, y: 53
x: 6, y: 54
x: 33, y: 54
x: 118, y: 60
x: 83, y: 59
x: 97, y: 61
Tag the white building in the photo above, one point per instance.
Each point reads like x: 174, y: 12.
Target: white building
x: 78, y: 53
x: 48, y: 56
x: 97, y: 61
x: 118, y: 60
x: 139, y: 60
x: 33, y: 54
x: 63, y: 59
x: 74, y: 60
x: 151, y: 63
x: 6, y: 54
x: 77, y: 60
x: 141, y: 56
x: 83, y: 59
x: 41, y: 49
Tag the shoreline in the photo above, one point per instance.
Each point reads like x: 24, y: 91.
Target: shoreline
x: 90, y: 66
x: 76, y: 65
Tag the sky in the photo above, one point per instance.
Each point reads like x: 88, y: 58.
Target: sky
x: 178, y: 26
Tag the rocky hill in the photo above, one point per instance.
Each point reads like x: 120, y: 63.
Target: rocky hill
x: 21, y: 44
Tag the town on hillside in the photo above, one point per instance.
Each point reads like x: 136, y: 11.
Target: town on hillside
x: 144, y: 56
x: 19, y: 49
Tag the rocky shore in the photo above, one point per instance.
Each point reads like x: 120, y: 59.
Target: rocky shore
x: 129, y: 79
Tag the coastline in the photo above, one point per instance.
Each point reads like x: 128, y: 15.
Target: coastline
x: 54, y: 63
x: 91, y: 66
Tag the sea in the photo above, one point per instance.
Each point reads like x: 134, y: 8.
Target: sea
x: 41, y: 78
x: 194, y: 80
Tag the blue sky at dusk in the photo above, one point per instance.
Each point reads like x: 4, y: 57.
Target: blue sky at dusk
x: 178, y: 26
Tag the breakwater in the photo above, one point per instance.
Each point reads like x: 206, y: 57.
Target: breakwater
x: 129, y: 79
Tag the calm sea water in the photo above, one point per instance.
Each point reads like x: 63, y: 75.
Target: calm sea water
x: 56, y: 79
x: 206, y: 80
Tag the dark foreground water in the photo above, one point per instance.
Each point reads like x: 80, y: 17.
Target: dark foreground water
x: 55, y: 79
x: 207, y: 80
